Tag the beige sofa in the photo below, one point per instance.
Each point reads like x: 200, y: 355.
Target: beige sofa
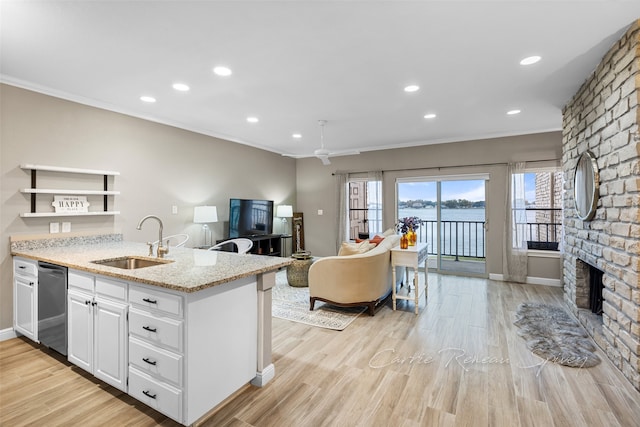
x: 353, y: 280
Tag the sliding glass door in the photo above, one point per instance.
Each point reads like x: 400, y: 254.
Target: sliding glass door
x: 453, y: 214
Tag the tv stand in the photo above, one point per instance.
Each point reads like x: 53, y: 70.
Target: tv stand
x: 266, y: 244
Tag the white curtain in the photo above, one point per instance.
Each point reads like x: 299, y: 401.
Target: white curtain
x: 374, y: 193
x: 514, y: 263
x: 341, y: 208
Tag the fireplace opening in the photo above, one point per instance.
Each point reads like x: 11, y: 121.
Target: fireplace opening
x: 595, y: 290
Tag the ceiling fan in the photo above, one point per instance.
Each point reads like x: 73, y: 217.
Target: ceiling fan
x: 322, y: 153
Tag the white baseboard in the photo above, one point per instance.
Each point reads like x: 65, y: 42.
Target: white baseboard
x: 7, y: 334
x: 262, y: 378
x: 544, y: 281
x: 530, y: 280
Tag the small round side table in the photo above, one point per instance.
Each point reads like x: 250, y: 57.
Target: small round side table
x: 298, y: 271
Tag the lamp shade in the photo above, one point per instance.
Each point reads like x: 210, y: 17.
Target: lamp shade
x: 205, y: 214
x: 284, y: 211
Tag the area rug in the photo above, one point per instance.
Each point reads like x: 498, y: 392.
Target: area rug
x: 292, y: 304
x: 551, y: 333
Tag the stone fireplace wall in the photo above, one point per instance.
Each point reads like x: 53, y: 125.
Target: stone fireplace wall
x: 603, y: 117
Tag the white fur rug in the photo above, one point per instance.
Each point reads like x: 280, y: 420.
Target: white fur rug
x: 554, y: 335
x: 292, y: 304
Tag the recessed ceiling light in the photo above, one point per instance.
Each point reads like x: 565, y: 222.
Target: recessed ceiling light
x: 296, y: 136
x: 430, y: 116
x: 252, y: 119
x: 513, y: 112
x: 149, y: 99
x: 412, y: 88
x: 181, y: 87
x: 222, y: 71
x: 529, y: 60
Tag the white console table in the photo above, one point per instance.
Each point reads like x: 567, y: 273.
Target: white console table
x: 411, y: 257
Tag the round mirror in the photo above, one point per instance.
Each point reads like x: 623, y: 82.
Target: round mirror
x: 585, y: 186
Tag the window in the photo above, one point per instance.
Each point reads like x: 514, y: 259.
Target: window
x: 540, y: 213
x: 365, y: 208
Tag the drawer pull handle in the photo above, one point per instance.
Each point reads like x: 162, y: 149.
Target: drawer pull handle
x: 150, y: 329
x: 149, y: 361
x: 31, y: 283
x: 150, y: 301
x: 148, y: 394
x: 22, y: 267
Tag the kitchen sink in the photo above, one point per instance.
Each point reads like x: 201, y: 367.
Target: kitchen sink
x: 131, y: 262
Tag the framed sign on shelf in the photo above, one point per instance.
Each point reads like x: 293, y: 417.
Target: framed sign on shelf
x: 298, y: 232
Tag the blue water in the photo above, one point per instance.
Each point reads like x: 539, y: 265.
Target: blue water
x: 447, y: 214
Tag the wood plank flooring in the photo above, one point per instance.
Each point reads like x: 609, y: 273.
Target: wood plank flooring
x: 458, y: 363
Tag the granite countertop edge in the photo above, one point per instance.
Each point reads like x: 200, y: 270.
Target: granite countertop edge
x: 187, y: 270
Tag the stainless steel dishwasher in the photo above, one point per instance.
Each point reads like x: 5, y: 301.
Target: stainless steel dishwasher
x: 52, y: 306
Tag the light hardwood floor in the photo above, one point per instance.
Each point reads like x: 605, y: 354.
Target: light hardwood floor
x: 459, y: 362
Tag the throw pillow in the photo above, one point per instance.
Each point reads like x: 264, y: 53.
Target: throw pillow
x: 348, y: 248
x: 375, y: 240
x: 389, y: 232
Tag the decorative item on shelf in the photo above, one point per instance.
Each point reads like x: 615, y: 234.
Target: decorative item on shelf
x: 408, y: 225
x: 284, y: 212
x: 404, y: 241
x: 70, y: 204
x: 204, y: 215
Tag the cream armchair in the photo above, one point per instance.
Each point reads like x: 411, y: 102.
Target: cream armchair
x: 353, y: 280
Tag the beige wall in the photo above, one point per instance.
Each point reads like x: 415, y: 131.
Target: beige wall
x: 160, y: 166
x: 316, y: 185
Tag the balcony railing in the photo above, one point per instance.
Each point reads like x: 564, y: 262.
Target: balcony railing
x: 467, y: 239
x: 459, y: 239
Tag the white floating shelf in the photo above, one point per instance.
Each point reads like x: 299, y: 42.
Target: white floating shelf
x: 51, y: 214
x: 68, y: 170
x: 73, y: 192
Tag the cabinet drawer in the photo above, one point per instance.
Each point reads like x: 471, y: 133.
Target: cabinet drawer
x: 157, y: 330
x: 111, y: 288
x: 155, y: 361
x: 161, y: 397
x: 156, y: 300
x: 81, y: 281
x: 25, y: 267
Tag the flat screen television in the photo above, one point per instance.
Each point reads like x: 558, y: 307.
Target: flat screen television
x: 250, y: 217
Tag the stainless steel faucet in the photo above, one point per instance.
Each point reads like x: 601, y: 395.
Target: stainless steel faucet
x: 162, y: 251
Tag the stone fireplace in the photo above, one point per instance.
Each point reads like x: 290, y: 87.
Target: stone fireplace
x: 603, y: 118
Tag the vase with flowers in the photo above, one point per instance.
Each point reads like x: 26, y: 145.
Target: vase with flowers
x: 408, y: 226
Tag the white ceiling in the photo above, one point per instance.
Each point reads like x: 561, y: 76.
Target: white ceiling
x: 296, y: 62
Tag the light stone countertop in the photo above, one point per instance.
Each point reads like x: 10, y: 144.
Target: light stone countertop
x: 191, y: 270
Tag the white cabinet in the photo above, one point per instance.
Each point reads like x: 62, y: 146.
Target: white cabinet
x: 25, y: 297
x: 97, y: 338
x: 188, y: 352
x: 156, y: 356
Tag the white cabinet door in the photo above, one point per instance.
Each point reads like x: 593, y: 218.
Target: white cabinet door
x: 110, y: 342
x: 25, y: 307
x: 80, y: 330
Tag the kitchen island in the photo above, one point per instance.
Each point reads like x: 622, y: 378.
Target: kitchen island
x: 181, y: 336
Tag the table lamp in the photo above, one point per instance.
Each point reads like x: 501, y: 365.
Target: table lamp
x: 284, y: 212
x: 204, y: 215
